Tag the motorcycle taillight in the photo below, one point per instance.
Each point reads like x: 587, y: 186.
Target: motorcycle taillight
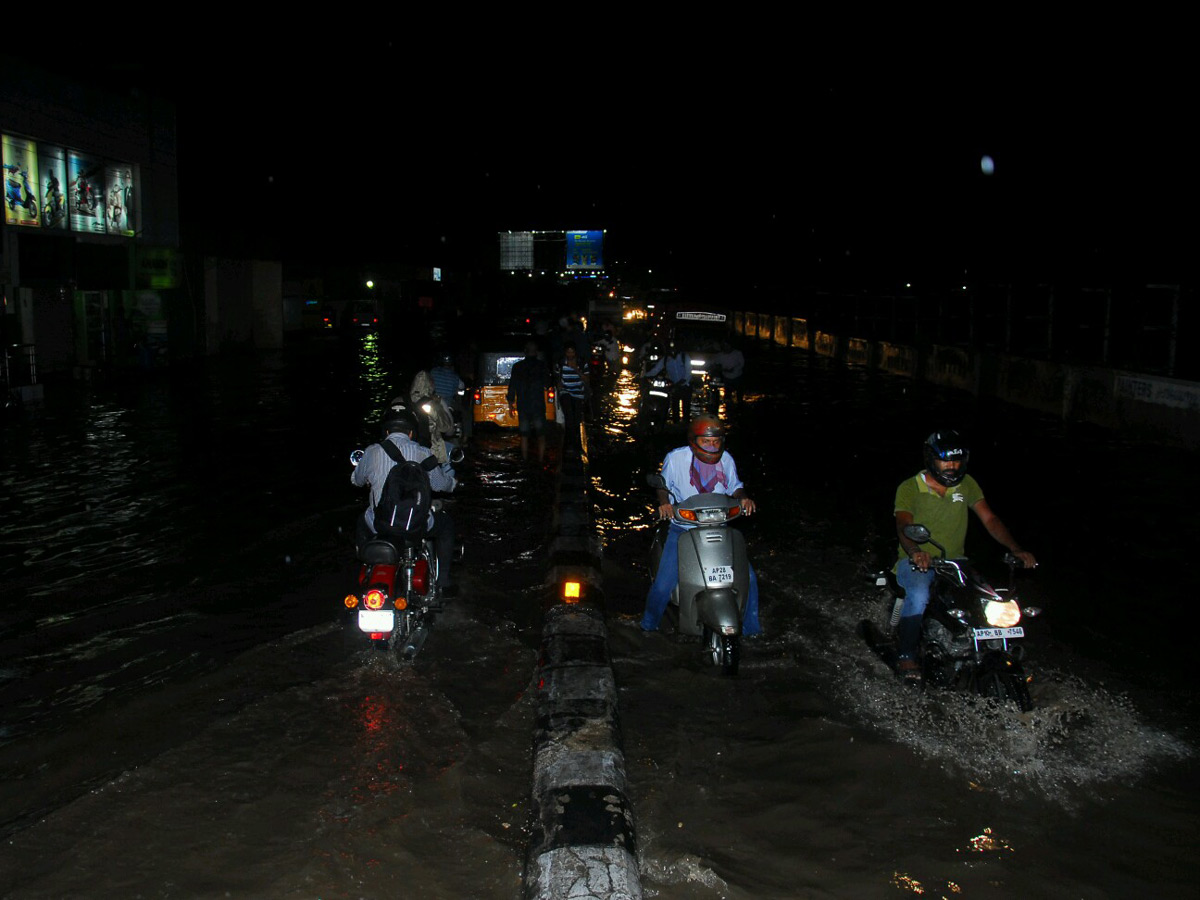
x: 421, y: 576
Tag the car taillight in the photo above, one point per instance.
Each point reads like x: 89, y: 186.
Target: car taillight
x: 374, y: 598
x: 549, y: 395
x: 476, y: 397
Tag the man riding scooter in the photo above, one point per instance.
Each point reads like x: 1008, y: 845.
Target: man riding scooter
x: 702, y: 467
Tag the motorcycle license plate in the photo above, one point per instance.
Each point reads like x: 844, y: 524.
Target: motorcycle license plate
x: 995, y: 634
x: 376, y: 620
x: 716, y: 576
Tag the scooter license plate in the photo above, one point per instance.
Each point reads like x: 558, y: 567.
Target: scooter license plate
x: 370, y: 620
x: 995, y: 634
x: 717, y: 576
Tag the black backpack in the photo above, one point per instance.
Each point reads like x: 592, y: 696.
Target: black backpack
x: 403, y: 507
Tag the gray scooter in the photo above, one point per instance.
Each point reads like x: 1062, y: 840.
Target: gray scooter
x: 714, y: 573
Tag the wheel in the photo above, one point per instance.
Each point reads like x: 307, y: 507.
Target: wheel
x: 712, y: 646
x: 1007, y: 687
x: 731, y: 654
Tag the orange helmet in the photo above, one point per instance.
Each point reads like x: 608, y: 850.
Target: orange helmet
x: 709, y: 427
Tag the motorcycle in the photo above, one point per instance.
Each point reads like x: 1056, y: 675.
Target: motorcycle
x: 714, y: 574
x: 395, y: 600
x: 53, y: 204
x: 970, y: 636
x: 710, y: 393
x: 655, y: 405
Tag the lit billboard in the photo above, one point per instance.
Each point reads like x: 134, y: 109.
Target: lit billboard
x: 516, y: 250
x: 55, y: 189
x: 21, y: 204
x: 585, y: 250
x: 86, y: 193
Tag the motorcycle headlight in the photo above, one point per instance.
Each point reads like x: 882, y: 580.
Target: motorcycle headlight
x: 1002, y: 613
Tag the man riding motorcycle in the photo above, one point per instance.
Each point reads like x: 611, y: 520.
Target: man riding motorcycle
x: 937, y: 497
x: 702, y: 467
x: 373, y: 468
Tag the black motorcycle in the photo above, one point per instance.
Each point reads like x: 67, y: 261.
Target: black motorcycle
x: 970, y: 634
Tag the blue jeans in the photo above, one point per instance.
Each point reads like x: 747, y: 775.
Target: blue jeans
x: 668, y: 577
x: 916, y: 586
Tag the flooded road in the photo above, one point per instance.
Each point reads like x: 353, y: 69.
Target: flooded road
x: 181, y: 719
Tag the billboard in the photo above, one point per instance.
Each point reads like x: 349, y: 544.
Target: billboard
x: 21, y: 204
x: 86, y: 193
x: 585, y: 250
x: 52, y: 168
x: 516, y: 250
x: 56, y: 189
x: 119, y: 217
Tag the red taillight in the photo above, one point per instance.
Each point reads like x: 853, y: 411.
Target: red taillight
x: 477, y: 397
x: 374, y: 599
x: 549, y: 395
x: 421, y: 576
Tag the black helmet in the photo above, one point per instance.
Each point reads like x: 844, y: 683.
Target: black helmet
x: 398, y: 420
x: 710, y: 427
x: 446, y: 360
x: 947, y: 446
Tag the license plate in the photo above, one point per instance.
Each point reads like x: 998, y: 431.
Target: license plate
x: 995, y: 634
x: 715, y: 576
x: 376, y: 620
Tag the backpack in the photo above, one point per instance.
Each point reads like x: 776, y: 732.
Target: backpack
x: 403, y: 507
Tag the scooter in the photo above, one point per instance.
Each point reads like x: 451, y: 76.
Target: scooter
x: 970, y: 636
x: 714, y: 573
x: 395, y: 600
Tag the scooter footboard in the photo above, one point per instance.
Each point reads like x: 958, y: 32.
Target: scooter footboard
x: 720, y: 610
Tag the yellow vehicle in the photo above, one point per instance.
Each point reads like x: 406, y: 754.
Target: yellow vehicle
x: 490, y: 397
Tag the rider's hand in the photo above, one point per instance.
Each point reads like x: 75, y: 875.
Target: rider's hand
x: 1026, y: 559
x: 920, y: 560
x: 748, y: 506
x: 666, y: 511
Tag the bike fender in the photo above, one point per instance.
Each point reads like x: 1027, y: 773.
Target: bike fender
x: 998, y: 661
x: 719, y: 609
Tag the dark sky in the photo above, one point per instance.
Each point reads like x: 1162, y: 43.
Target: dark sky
x: 763, y: 162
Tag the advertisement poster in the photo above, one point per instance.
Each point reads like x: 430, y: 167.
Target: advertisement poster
x: 516, y: 250
x: 585, y: 249
x: 52, y: 167
x: 85, y: 193
x: 119, y: 199
x: 20, y: 181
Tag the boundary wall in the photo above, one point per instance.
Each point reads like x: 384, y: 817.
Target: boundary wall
x: 1155, y: 408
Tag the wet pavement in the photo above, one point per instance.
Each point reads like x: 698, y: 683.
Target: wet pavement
x: 180, y: 717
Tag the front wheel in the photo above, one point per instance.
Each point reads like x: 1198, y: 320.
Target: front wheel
x: 723, y: 650
x: 1007, y: 687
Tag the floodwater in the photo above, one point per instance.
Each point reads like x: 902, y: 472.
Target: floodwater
x: 179, y: 716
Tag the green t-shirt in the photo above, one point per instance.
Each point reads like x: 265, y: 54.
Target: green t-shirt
x: 945, y: 517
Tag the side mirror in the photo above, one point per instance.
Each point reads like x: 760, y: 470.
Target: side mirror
x: 356, y: 457
x: 457, y: 455
x: 656, y: 481
x: 917, y: 533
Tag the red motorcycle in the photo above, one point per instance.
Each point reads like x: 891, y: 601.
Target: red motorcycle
x: 396, y: 599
